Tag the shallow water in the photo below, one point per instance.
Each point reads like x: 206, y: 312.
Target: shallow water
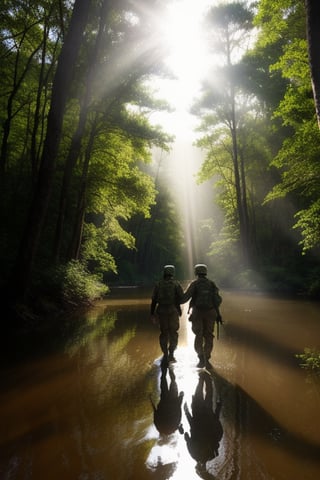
x: 80, y: 407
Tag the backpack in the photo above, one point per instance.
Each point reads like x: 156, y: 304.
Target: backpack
x: 166, y: 292
x: 206, y: 295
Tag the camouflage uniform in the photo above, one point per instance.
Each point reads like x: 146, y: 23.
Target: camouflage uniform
x: 168, y: 311
x: 205, y: 301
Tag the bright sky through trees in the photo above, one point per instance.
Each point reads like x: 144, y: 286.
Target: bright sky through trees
x: 184, y: 34
x: 188, y: 58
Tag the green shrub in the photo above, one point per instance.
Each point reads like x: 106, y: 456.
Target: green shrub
x: 310, y: 360
x: 79, y: 286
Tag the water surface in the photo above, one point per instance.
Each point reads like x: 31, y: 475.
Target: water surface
x: 82, y: 406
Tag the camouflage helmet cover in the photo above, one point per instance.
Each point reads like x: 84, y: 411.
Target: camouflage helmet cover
x: 200, y: 269
x: 168, y: 270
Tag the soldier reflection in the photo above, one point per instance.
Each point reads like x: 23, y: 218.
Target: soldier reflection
x: 167, y: 414
x: 205, y: 426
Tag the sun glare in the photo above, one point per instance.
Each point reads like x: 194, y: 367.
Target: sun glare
x: 188, y: 58
x: 182, y: 32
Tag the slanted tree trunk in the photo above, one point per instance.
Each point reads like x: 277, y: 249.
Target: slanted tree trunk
x: 60, y: 90
x: 76, y: 143
x: 17, y: 82
x: 313, y: 37
x: 74, y: 248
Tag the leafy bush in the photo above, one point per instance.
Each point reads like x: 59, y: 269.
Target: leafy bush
x: 310, y: 360
x: 79, y: 286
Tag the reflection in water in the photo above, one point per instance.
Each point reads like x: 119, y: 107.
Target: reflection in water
x: 167, y: 415
x: 75, y: 404
x: 176, y: 456
x: 205, y: 426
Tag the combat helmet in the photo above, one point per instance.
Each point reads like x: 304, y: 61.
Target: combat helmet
x: 168, y: 270
x: 200, y: 269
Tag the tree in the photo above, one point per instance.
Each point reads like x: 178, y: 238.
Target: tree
x: 98, y: 114
x: 60, y: 89
x: 313, y: 36
x: 228, y: 24
x: 158, y: 237
x: 297, y: 157
x: 113, y: 41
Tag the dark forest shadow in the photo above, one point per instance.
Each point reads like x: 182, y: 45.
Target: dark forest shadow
x: 262, y: 343
x: 256, y: 421
x: 234, y: 406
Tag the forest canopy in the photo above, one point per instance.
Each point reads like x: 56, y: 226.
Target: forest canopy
x: 83, y: 201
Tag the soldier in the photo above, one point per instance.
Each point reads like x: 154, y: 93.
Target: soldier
x: 204, y: 305
x: 165, y: 302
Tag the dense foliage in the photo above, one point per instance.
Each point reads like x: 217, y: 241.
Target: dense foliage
x: 310, y: 361
x: 75, y: 137
x: 80, y: 198
x: 261, y: 141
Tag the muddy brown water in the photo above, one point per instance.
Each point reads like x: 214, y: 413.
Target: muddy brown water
x: 81, y: 407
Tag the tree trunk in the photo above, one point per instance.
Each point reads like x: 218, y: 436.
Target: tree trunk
x: 17, y: 82
x: 243, y: 228
x: 36, y: 121
x: 74, y: 248
x: 313, y: 37
x: 76, y: 143
x: 72, y: 157
x: 245, y: 209
x: 60, y: 90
